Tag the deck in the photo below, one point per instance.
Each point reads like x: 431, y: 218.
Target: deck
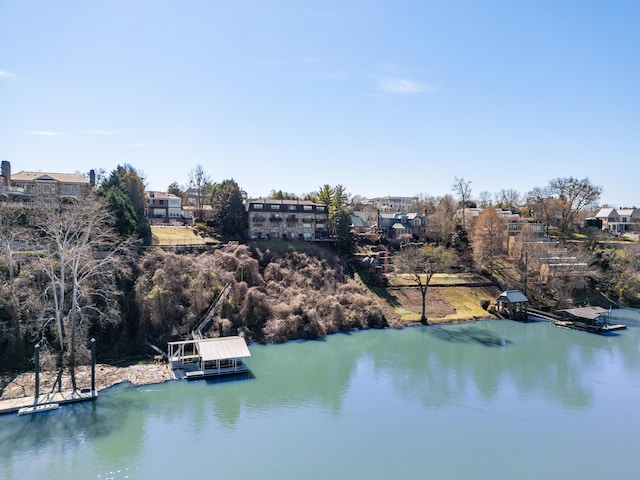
x: 12, y: 405
x: 193, y: 372
x: 589, y: 328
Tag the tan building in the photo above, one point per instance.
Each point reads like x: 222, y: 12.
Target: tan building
x: 287, y: 219
x: 26, y: 187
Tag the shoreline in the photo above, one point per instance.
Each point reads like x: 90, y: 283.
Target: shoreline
x: 137, y: 374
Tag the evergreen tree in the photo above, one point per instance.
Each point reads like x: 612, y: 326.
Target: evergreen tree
x: 228, y: 210
x: 124, y: 191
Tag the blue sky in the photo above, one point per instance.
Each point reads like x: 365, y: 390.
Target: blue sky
x: 384, y: 97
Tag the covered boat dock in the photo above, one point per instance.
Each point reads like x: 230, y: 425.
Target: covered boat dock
x: 590, y: 319
x: 208, y: 357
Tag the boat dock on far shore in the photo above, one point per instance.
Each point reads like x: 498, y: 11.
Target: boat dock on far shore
x: 587, y: 319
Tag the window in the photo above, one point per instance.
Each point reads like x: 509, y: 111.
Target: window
x: 320, y: 226
x: 275, y: 207
x: 320, y: 208
x: 258, y: 206
x: 307, y: 208
x: 306, y: 225
x: 293, y: 207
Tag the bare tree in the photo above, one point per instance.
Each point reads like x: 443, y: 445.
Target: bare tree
x: 462, y: 187
x: 82, y: 261
x: 200, y: 186
x: 485, y: 199
x: 419, y: 265
x: 561, y: 201
x: 509, y: 199
x: 574, y: 195
x: 488, y: 239
x: 441, y: 222
x: 524, y: 253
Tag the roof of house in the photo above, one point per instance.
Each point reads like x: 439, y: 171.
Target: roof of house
x: 283, y: 202
x: 512, y: 296
x: 48, y: 176
x: 357, y: 221
x: 627, y: 212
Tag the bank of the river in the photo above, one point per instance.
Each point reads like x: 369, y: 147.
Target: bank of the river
x: 23, y: 384
x: 445, y: 305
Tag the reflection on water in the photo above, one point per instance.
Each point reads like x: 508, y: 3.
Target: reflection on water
x: 375, y: 404
x: 468, y: 335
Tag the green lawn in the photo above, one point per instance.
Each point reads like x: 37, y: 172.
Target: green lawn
x: 400, y: 280
x: 167, y: 236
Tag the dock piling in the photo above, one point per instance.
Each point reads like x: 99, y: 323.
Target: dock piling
x: 93, y: 367
x: 36, y: 360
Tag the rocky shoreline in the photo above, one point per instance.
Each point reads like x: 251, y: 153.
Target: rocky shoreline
x: 23, y: 384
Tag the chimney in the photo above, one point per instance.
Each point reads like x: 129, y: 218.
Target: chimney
x: 6, y: 172
x: 92, y: 177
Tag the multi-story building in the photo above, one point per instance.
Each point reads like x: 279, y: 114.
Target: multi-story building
x: 393, y: 204
x: 27, y: 187
x: 287, y: 219
x: 164, y: 208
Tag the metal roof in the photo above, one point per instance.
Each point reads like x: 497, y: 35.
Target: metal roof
x: 586, y: 312
x: 512, y: 296
x: 223, y: 348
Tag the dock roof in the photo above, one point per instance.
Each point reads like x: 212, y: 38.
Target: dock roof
x: 223, y: 348
x: 590, y: 313
x: 512, y: 296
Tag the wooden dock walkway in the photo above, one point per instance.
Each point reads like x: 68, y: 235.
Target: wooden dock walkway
x: 12, y: 405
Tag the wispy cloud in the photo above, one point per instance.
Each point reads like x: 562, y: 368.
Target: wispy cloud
x: 402, y: 85
x: 45, y: 133
x: 97, y: 131
x: 9, y: 75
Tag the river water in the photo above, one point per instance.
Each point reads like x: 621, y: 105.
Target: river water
x: 490, y: 400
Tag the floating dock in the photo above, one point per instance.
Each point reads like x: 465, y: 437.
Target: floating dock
x: 13, y: 405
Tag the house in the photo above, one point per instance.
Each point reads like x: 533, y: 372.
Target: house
x: 393, y: 204
x: 164, y: 208
x: 359, y: 225
x: 620, y: 220
x: 287, y: 219
x: 28, y: 187
x: 393, y: 225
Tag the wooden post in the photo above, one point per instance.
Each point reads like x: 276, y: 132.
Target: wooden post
x: 37, y: 364
x: 93, y: 367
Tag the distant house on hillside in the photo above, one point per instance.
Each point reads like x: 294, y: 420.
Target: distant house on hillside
x: 393, y: 203
x: 393, y: 225
x: 28, y: 187
x: 164, y: 208
x: 620, y: 220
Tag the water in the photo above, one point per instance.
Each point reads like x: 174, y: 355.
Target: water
x: 491, y: 400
